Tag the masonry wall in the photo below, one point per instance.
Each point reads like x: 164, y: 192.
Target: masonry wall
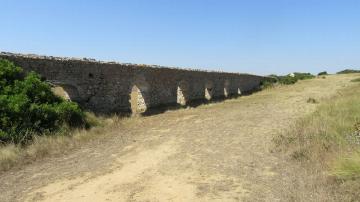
x: 106, y: 87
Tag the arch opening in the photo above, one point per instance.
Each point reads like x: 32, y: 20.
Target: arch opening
x: 208, y: 93
x: 239, y: 91
x: 182, y: 94
x: 137, y: 100
x: 226, y: 92
x: 67, y: 92
x: 226, y: 89
x: 209, y: 90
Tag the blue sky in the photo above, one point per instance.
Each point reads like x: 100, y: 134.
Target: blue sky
x: 253, y: 36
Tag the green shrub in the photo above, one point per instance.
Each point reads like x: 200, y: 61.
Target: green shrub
x: 287, y: 80
x: 322, y: 73
x: 268, y: 82
x: 348, y: 71
x: 303, y: 76
x: 29, y: 107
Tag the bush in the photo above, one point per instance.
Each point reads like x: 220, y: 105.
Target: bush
x: 348, y: 71
x: 322, y: 73
x: 303, y: 76
x: 29, y: 107
x: 286, y: 80
x: 268, y: 82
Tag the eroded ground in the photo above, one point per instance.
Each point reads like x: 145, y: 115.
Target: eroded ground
x: 215, y: 152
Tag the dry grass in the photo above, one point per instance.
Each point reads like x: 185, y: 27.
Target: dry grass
x: 12, y: 155
x: 356, y: 80
x: 312, y: 100
x: 327, y: 145
x: 348, y: 167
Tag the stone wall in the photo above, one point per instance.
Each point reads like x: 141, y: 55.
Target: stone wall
x: 109, y: 87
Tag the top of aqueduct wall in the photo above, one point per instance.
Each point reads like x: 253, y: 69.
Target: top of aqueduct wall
x: 92, y: 60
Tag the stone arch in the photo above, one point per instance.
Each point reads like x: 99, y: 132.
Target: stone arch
x: 239, y: 91
x: 137, y: 100
x: 182, y: 96
x: 226, y: 88
x: 66, y: 91
x: 209, y: 91
x: 139, y: 97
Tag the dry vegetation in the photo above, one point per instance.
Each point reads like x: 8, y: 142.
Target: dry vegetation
x: 356, y: 80
x: 327, y: 144
x: 55, y: 144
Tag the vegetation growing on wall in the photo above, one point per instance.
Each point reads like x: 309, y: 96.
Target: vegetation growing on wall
x: 28, y: 106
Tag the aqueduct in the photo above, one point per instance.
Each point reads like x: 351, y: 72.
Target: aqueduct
x: 109, y: 87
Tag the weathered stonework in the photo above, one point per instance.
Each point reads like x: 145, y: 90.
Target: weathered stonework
x: 109, y: 87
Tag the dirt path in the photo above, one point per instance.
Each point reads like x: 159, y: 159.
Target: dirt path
x: 215, y: 152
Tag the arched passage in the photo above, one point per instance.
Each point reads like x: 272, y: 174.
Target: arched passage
x: 68, y: 92
x: 226, y: 88
x: 209, y: 91
x: 182, y: 94
x: 226, y: 92
x: 239, y: 91
x: 137, y: 100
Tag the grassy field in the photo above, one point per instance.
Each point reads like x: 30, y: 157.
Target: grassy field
x: 327, y: 144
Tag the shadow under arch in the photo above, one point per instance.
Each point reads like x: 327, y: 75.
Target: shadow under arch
x: 182, y: 94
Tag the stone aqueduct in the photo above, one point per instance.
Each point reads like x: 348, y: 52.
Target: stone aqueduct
x: 109, y: 87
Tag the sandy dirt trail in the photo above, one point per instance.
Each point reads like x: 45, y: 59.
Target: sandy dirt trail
x: 215, y: 152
